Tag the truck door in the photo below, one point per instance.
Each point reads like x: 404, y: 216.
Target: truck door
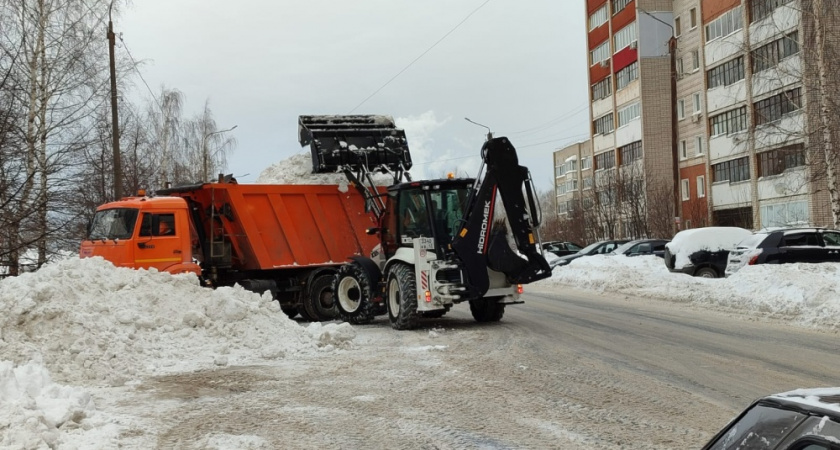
x: 159, y: 243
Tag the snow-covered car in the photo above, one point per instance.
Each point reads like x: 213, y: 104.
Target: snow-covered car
x: 786, y: 245
x: 703, y: 252
x: 804, y: 419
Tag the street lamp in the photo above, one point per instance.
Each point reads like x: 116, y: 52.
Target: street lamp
x: 204, y: 150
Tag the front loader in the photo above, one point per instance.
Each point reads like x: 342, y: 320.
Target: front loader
x: 438, y: 242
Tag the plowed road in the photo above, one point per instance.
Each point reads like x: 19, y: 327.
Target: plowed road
x: 567, y: 371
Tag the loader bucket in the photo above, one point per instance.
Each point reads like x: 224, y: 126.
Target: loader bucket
x: 350, y: 142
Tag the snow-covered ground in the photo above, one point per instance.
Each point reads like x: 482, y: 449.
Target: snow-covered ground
x: 81, y: 326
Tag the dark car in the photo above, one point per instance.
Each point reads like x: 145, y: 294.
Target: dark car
x: 642, y: 247
x: 789, y: 245
x: 702, y: 252
x: 598, y: 248
x: 561, y: 248
x: 804, y: 419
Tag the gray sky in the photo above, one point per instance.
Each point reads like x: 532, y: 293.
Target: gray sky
x: 517, y: 66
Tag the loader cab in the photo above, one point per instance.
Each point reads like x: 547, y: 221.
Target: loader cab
x: 424, y: 209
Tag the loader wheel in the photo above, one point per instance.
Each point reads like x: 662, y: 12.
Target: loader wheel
x: 401, y: 297
x: 319, y: 302
x: 352, y: 294
x: 487, y: 309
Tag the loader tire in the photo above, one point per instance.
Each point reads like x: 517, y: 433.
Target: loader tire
x: 401, y: 297
x: 352, y: 294
x: 487, y: 309
x: 319, y: 301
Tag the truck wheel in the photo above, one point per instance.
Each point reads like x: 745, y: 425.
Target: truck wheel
x: 319, y: 303
x: 352, y: 294
x: 402, y: 297
x: 487, y: 309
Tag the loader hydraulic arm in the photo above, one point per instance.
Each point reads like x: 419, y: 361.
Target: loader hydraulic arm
x: 477, y: 245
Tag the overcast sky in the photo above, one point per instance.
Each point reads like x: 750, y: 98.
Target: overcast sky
x: 517, y: 66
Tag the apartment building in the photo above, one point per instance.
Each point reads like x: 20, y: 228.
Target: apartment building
x: 705, y: 99
x: 572, y: 177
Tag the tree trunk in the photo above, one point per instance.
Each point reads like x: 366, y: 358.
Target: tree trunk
x: 826, y: 113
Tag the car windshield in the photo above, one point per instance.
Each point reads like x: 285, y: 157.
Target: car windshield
x: 624, y: 247
x: 590, y: 248
x: 117, y: 223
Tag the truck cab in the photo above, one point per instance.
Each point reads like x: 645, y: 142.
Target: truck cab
x: 143, y: 233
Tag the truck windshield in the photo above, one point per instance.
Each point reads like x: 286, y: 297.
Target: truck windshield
x: 117, y: 223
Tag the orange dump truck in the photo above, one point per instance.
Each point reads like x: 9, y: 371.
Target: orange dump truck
x: 286, y: 239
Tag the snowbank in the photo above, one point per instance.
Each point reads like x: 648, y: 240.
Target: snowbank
x: 804, y: 294
x: 92, y: 323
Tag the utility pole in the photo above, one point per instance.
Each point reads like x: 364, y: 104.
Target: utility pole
x: 115, y: 124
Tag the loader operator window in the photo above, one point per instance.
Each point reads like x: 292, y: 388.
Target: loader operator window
x: 157, y: 225
x: 414, y: 218
x: 117, y: 223
x: 447, y: 210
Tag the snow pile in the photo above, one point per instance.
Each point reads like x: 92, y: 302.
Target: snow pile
x: 33, y: 409
x: 806, y: 294
x: 92, y: 323
x: 712, y: 239
x: 297, y: 169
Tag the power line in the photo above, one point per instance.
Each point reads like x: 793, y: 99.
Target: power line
x: 553, y: 122
x: 567, y: 138
x: 137, y: 69
x: 421, y: 55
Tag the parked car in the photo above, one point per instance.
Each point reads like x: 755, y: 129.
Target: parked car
x: 703, y: 252
x: 642, y: 247
x: 598, y: 248
x: 787, y: 245
x: 561, y: 248
x: 804, y: 419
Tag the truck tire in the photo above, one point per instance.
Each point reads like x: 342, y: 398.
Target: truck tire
x: 319, y: 301
x: 487, y: 309
x: 290, y: 311
x: 401, y: 297
x: 352, y: 294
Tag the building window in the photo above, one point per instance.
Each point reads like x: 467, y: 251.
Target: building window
x: 698, y: 107
x: 701, y: 186
x: 727, y: 73
x: 677, y: 27
x: 586, y: 163
x: 774, y: 108
x: 604, y: 124
x: 770, y: 55
x: 624, y: 76
x: 692, y: 16
x: 733, y: 171
x: 680, y: 67
x: 686, y: 194
x: 630, y: 152
x: 698, y: 145
x: 605, y: 160
x: 784, y: 214
x: 602, y: 89
x: 624, y: 37
x: 683, y: 150
x: 681, y: 109
x: 729, y: 122
x: 695, y: 60
x: 571, y: 165
x: 618, y: 5
x: 598, y: 18
x: 628, y: 113
x: 572, y: 185
x: 559, y: 171
x: 730, y: 22
x: 601, y: 53
x: 587, y: 183
x: 760, y: 9
x: 775, y: 162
